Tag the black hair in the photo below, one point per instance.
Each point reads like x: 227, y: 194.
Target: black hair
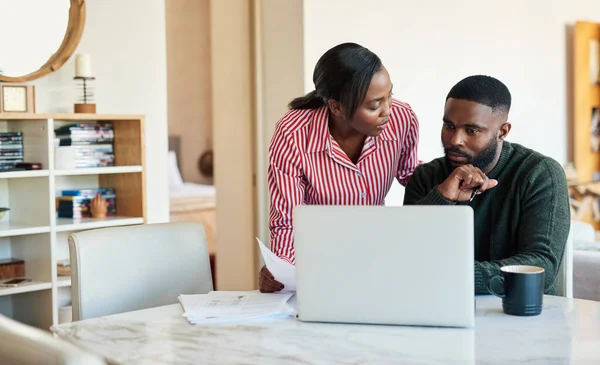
x: 484, y: 90
x: 344, y: 74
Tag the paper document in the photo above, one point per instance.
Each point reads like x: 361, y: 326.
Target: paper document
x: 283, y: 271
x: 229, y: 306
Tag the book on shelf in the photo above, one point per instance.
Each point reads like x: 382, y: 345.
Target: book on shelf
x: 11, y: 150
x: 85, y: 133
x: 89, y: 192
x: 84, y: 145
x: 97, y: 128
x: 76, y: 203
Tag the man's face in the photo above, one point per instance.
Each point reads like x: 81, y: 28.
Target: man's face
x: 471, y: 133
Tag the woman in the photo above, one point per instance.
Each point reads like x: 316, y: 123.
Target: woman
x: 341, y: 144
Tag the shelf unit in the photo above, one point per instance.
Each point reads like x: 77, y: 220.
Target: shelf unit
x: 31, y: 230
x: 586, y: 96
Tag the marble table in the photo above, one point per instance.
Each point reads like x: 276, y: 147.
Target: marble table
x: 567, y: 332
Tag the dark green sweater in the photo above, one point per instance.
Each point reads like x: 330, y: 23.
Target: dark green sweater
x: 524, y: 220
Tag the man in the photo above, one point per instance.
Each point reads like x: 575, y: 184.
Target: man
x: 521, y: 203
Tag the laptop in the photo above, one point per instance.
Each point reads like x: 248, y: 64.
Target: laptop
x: 409, y: 265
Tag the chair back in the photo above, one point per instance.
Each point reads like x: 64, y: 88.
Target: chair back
x: 21, y: 344
x: 579, y: 231
x: 116, y: 270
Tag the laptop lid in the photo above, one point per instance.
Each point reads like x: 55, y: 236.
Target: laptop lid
x: 409, y: 265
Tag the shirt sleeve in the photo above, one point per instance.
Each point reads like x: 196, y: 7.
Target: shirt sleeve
x: 408, y: 159
x: 286, y: 190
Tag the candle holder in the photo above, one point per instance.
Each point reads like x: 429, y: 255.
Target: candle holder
x: 86, y: 99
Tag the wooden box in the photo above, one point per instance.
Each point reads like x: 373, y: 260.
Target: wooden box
x: 11, y: 268
x: 63, y: 268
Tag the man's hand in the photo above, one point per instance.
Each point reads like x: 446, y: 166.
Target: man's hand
x: 267, y: 282
x: 461, y: 182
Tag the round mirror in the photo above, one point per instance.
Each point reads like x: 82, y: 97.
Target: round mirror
x: 39, y: 36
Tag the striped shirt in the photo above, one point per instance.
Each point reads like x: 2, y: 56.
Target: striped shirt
x: 307, y: 166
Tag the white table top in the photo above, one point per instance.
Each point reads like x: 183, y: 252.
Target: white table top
x: 567, y: 332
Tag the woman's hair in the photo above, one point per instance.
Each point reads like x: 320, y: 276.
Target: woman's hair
x: 344, y: 74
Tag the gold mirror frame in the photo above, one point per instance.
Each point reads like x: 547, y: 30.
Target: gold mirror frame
x: 66, y: 49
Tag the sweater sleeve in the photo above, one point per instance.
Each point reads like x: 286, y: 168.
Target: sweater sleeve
x: 419, y: 190
x: 544, y: 224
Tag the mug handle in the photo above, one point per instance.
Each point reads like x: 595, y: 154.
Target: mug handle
x: 489, y: 285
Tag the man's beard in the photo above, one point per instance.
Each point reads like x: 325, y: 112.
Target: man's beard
x: 482, y: 160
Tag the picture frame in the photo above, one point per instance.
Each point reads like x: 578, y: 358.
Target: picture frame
x: 17, y: 98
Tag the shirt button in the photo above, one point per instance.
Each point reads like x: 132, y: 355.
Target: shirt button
x: 363, y: 194
x: 358, y: 173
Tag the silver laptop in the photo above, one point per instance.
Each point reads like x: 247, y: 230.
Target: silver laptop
x: 410, y: 265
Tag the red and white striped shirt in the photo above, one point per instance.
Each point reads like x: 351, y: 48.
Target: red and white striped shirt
x: 307, y: 166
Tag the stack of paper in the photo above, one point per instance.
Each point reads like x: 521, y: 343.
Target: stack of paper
x: 282, y: 271
x: 228, y: 306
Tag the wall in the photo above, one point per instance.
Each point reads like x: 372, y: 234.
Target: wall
x: 189, y: 82
x: 126, y: 41
x: 430, y: 45
x: 280, y: 78
x: 233, y: 132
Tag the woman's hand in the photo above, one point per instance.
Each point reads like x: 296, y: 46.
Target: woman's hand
x: 267, y: 282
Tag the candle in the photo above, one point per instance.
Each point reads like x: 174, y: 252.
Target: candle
x: 83, y: 65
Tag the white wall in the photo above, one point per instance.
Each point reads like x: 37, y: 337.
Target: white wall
x: 233, y: 106
x: 429, y: 45
x: 279, y: 78
x: 126, y: 41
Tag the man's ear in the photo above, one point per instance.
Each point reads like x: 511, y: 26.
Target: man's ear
x: 336, y: 108
x: 504, y: 130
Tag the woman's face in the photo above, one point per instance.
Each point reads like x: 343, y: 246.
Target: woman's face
x: 372, y: 116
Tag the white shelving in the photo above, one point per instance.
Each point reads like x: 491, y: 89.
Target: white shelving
x: 26, y: 288
x: 31, y: 230
x: 99, y: 171
x: 63, y: 281
x: 23, y: 174
x: 66, y: 224
x: 11, y: 229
